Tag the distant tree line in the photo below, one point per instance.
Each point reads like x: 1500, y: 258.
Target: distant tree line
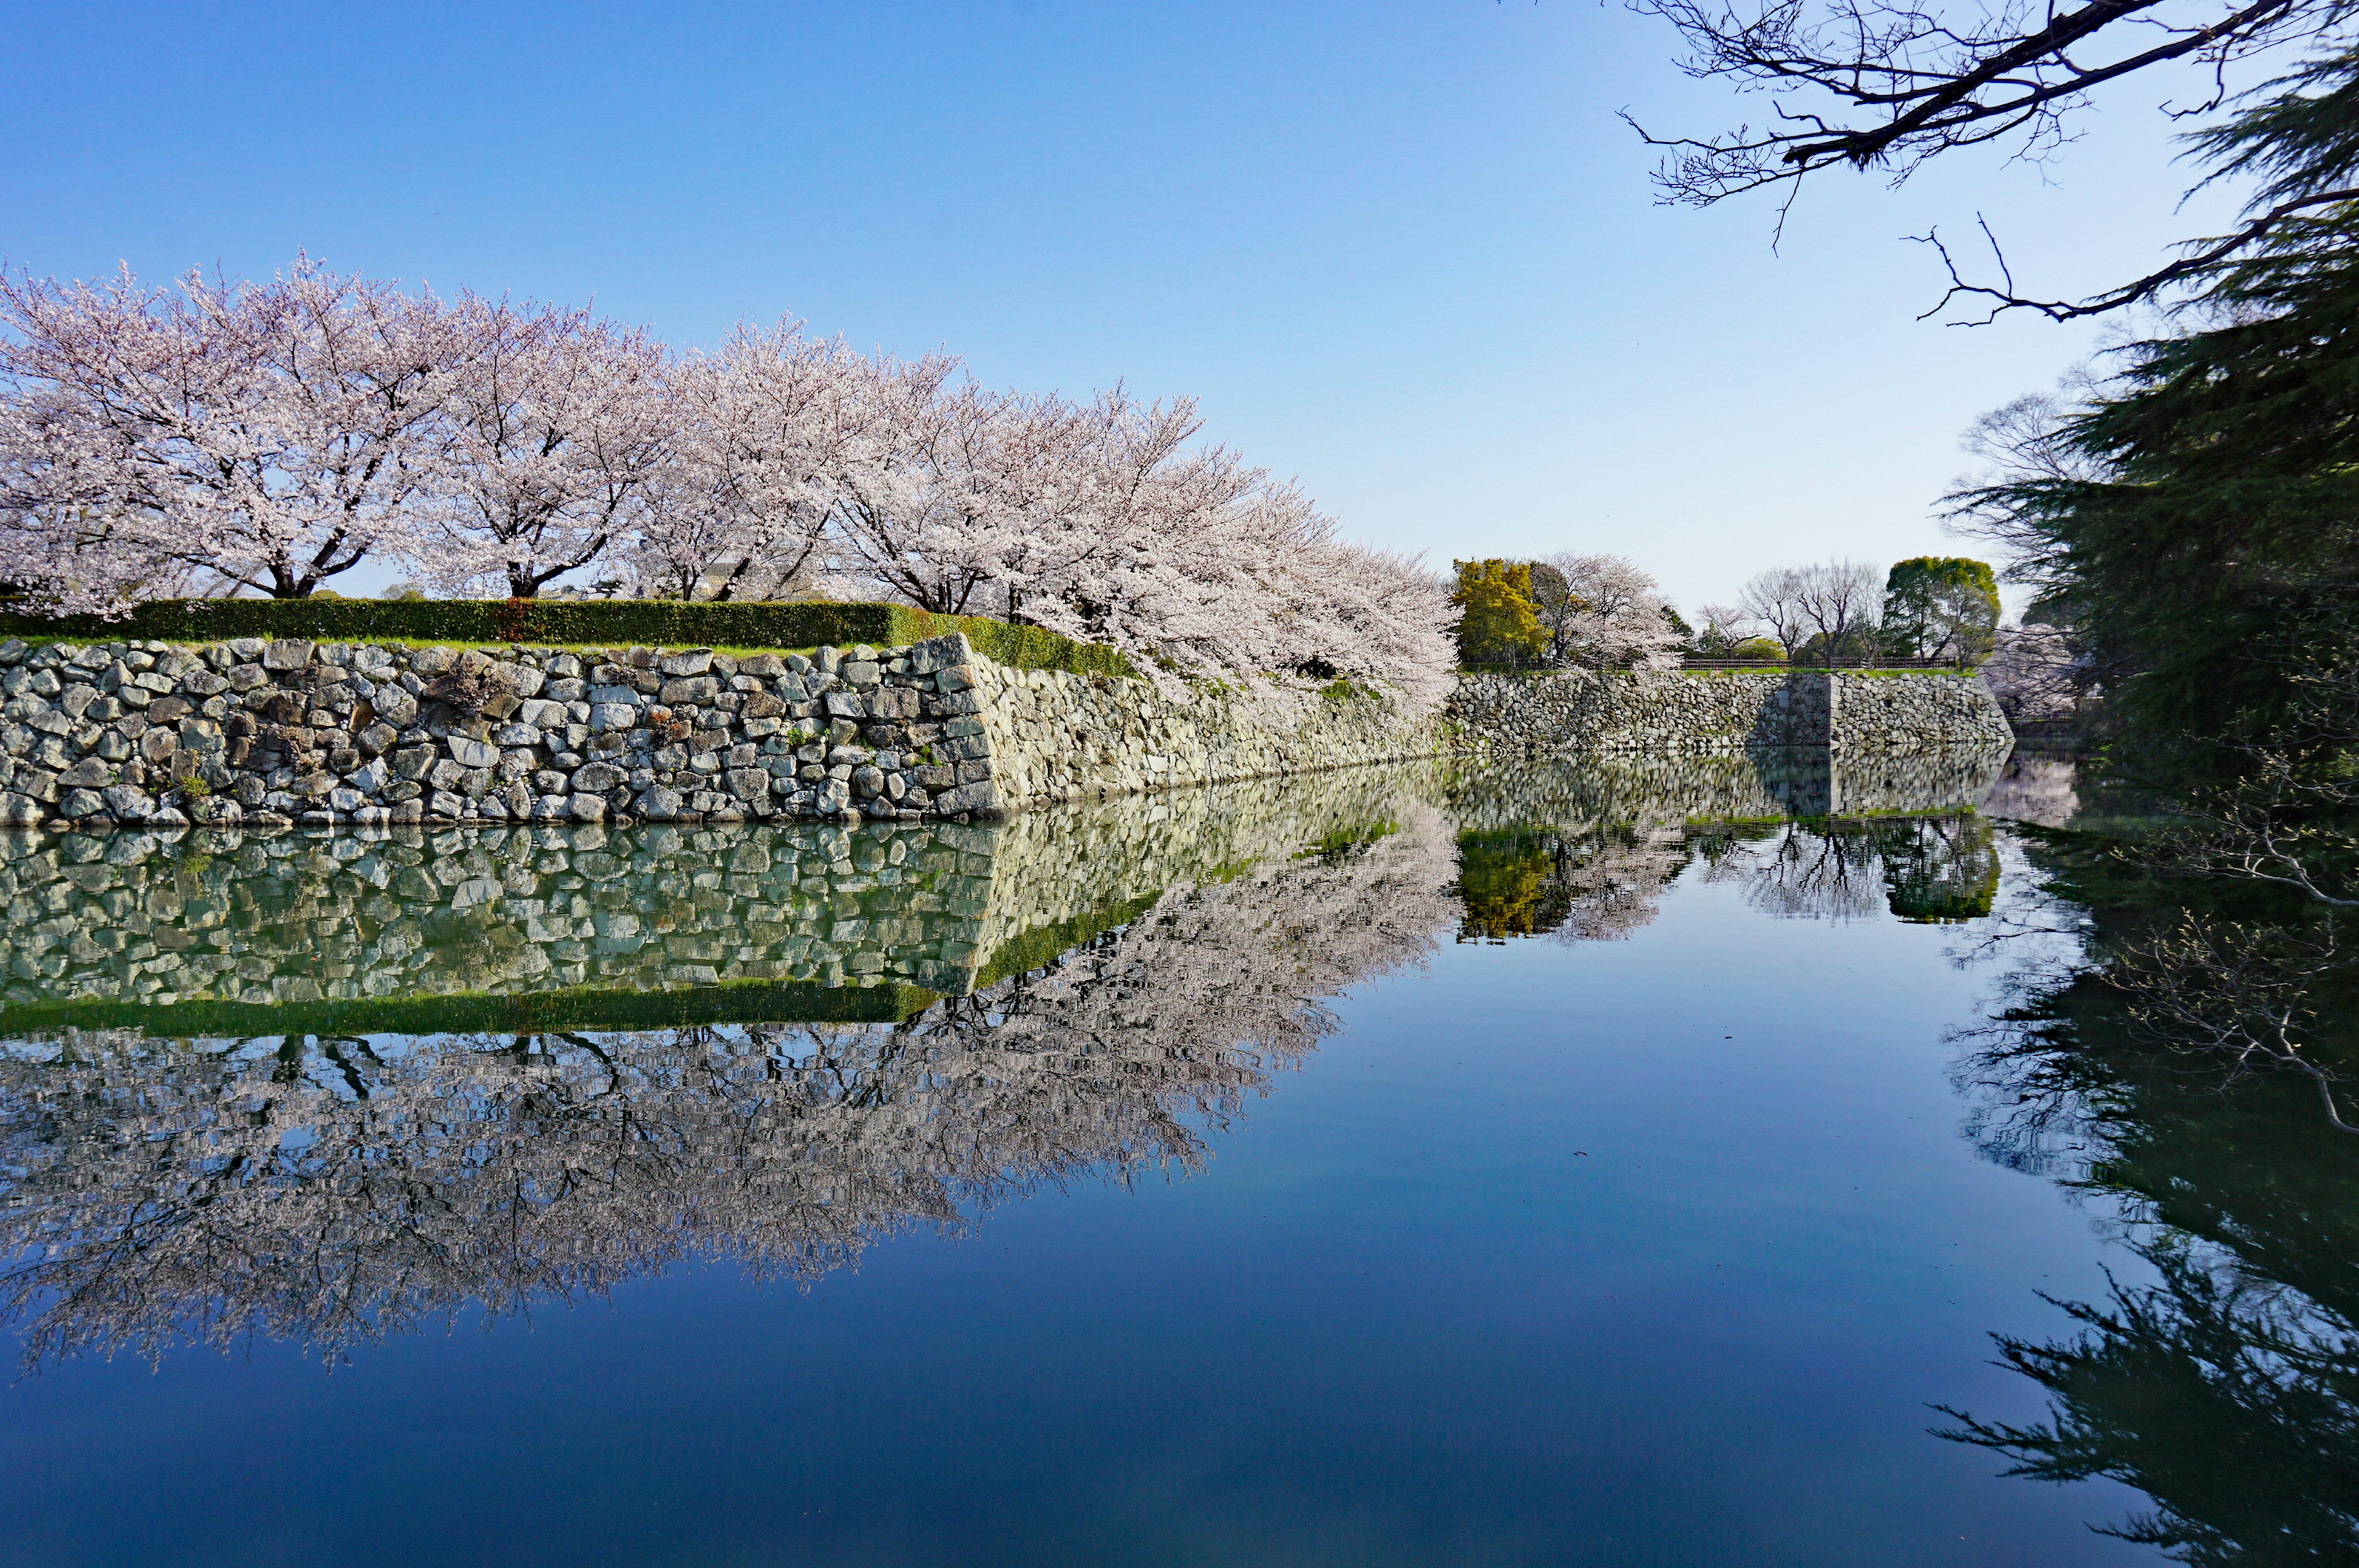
x: 1603, y: 613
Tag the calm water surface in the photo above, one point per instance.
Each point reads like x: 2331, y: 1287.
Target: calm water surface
x: 1555, y: 1165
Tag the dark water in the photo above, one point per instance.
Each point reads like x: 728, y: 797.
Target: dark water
x: 1542, y: 1167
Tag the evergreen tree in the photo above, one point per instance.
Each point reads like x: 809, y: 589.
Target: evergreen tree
x: 1940, y: 607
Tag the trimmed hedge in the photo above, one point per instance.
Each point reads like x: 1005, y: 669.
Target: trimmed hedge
x: 574, y: 622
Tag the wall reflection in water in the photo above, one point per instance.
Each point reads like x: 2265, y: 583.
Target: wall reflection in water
x: 326, y: 1089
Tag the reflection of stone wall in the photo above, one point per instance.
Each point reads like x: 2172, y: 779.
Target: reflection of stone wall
x: 1620, y: 789
x: 333, y: 1190
x: 1682, y: 712
x: 274, y: 919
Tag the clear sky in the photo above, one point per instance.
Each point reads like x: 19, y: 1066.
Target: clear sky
x: 1405, y: 252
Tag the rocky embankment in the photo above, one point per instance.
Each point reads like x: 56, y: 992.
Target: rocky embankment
x: 285, y: 732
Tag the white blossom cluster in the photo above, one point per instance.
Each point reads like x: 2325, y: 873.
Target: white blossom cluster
x: 264, y: 438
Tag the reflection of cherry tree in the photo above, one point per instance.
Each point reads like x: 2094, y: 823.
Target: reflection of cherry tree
x: 338, y: 1190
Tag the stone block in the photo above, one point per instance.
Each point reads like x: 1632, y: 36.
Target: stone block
x: 586, y: 808
x: 521, y: 679
x: 658, y: 804
x: 983, y: 796
x: 606, y: 718
x: 687, y: 662
x: 472, y: 753
x: 129, y: 802
x: 287, y: 655
x: 938, y: 653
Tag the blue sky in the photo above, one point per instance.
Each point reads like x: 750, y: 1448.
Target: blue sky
x: 1407, y: 252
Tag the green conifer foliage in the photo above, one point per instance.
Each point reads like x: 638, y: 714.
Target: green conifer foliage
x: 1940, y: 607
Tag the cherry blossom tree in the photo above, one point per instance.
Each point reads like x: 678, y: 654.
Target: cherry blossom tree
x: 557, y: 437
x: 768, y: 427
x: 265, y: 437
x: 1613, y: 616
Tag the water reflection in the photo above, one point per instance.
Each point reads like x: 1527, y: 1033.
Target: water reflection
x: 2221, y: 1376
x: 330, y: 1088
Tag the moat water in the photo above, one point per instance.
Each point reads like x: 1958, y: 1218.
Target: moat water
x: 1557, y: 1164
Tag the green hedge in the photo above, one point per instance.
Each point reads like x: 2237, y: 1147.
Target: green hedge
x: 572, y: 623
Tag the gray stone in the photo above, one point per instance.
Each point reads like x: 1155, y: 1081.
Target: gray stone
x: 658, y: 804
x: 938, y: 653
x: 690, y: 662
x: 984, y: 796
x: 129, y: 802
x: 287, y: 655
x: 470, y: 753
x: 521, y: 679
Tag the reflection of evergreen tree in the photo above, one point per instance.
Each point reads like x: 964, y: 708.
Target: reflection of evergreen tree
x: 1939, y: 870
x: 1511, y: 884
x: 2231, y: 1402
x: 1546, y: 882
x: 2228, y: 1391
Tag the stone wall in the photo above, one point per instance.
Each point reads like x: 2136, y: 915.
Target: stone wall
x: 272, y: 734
x: 275, y: 733
x: 1056, y: 737
x: 1704, y: 712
